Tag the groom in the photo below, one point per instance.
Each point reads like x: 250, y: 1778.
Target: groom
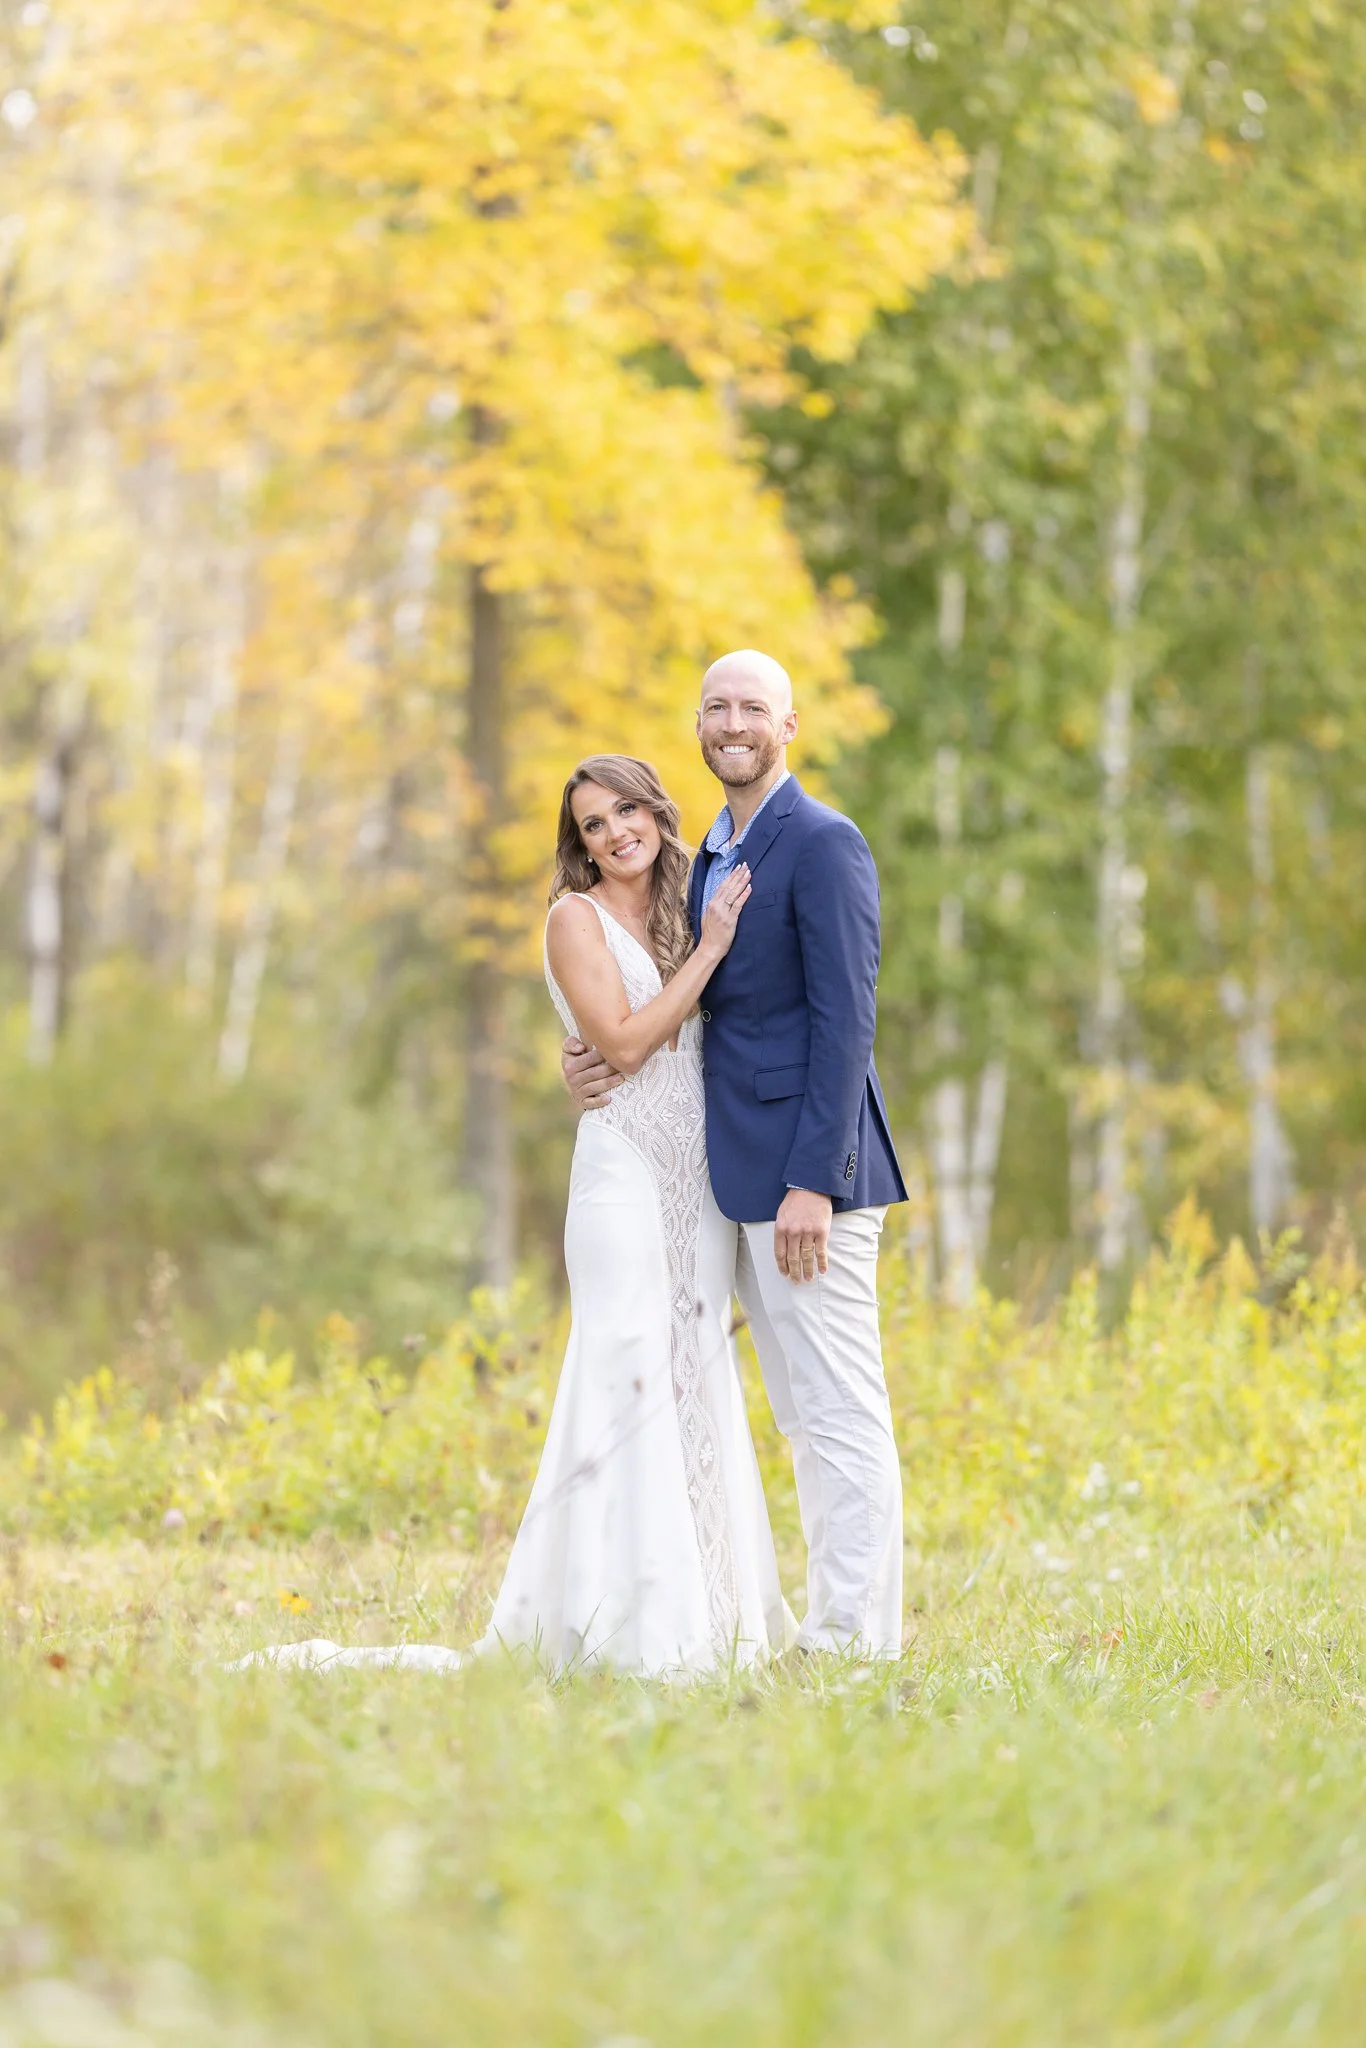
x: 798, y: 1145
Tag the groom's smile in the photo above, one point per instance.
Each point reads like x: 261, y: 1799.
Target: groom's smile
x: 740, y: 760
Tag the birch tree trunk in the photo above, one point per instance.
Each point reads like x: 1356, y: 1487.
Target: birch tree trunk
x: 1118, y: 932
x: 417, y: 568
x: 985, y: 1154
x: 272, y: 853
x: 488, y: 1161
x: 964, y: 1144
x: 1270, y: 1160
x: 217, y: 746
x: 964, y: 1137
x: 32, y: 410
x: 1121, y: 886
x: 965, y: 1132
x: 46, y: 905
x: 948, y: 1107
x: 160, y: 618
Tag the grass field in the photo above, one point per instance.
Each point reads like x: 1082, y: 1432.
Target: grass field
x: 1114, y: 1794
x: 1086, y: 1808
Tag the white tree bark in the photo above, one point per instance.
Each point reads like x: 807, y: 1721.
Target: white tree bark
x: 1119, y: 927
x: 964, y: 1144
x: 417, y: 568
x: 964, y: 1133
x: 948, y: 1107
x: 215, y: 739
x: 984, y: 1155
x: 32, y: 409
x: 45, y: 904
x: 1271, y: 1184
x: 133, y: 901
x: 1119, y: 907
x: 249, y: 965
x: 489, y: 1154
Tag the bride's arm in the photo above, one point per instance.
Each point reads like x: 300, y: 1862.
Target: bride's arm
x: 586, y: 972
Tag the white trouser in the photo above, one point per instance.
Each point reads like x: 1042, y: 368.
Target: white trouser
x: 821, y: 1356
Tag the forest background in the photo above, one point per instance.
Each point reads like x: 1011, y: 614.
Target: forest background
x: 396, y: 405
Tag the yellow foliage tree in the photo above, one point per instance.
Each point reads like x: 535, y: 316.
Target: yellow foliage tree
x: 506, y: 275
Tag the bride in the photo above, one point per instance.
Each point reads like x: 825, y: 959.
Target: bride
x: 645, y: 1545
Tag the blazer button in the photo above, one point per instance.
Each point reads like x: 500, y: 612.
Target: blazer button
x: 705, y: 1016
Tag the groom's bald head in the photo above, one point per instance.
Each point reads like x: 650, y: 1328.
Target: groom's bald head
x: 745, y: 718
x: 747, y: 667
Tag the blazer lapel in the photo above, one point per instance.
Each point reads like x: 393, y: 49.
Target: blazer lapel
x: 695, y: 875
x: 770, y: 822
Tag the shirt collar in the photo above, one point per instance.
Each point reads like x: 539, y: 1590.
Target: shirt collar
x: 718, y: 839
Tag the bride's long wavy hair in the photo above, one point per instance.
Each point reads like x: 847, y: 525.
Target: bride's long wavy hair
x: 667, y: 920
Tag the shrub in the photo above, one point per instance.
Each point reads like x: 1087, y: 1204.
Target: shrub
x: 1216, y: 1397
x: 260, y: 1450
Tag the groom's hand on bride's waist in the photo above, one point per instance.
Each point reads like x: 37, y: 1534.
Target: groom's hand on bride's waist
x: 589, y: 1078
x: 801, y: 1234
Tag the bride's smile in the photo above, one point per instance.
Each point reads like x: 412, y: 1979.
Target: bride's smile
x: 619, y: 834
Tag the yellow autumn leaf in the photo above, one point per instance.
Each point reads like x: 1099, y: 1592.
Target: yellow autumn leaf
x: 1157, y: 96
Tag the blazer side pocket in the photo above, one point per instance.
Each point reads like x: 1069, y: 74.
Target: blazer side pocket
x: 771, y: 1084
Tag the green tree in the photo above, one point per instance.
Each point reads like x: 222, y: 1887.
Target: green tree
x: 1093, y: 484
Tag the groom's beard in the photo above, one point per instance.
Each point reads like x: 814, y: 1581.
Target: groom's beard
x: 737, y: 771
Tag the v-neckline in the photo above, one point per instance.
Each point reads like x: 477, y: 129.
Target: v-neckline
x: 603, y: 911
x: 675, y: 1043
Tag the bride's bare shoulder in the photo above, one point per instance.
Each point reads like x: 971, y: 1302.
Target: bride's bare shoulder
x: 576, y: 907
x: 572, y: 923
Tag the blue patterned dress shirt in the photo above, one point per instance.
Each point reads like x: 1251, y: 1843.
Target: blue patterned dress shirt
x: 725, y: 858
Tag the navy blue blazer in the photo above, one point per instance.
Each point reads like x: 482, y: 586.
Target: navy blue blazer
x: 793, y: 1098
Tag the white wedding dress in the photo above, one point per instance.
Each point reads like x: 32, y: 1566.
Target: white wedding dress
x: 645, y: 1545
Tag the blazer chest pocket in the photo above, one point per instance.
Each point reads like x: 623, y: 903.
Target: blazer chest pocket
x: 769, y: 908
x: 771, y: 1084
